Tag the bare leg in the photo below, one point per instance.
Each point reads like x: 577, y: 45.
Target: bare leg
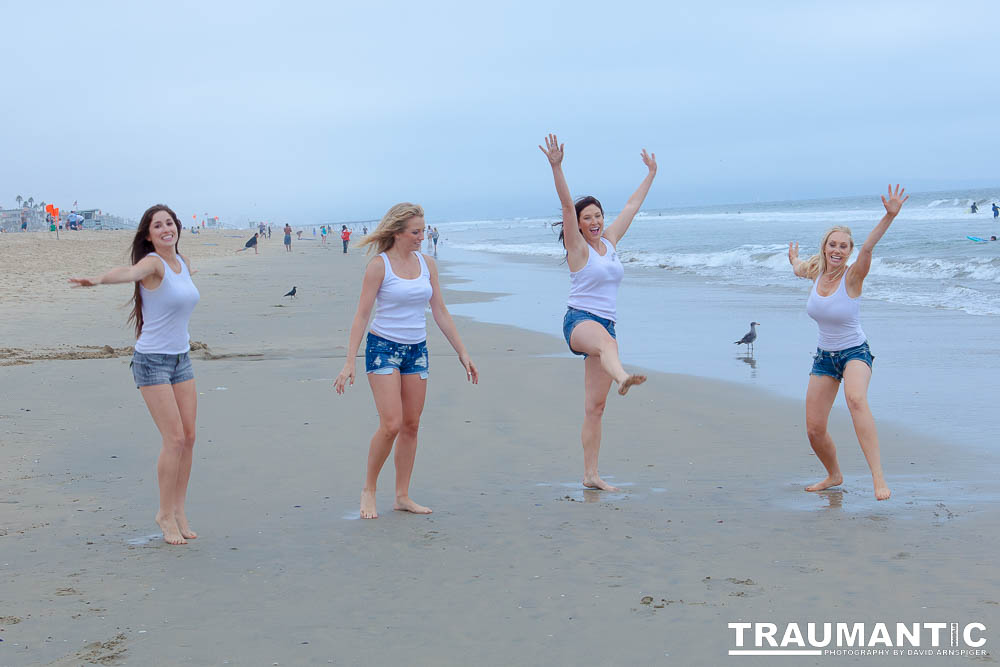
x: 819, y: 399
x: 414, y: 390
x: 591, y: 338
x: 187, y: 406
x: 857, y: 375
x: 596, y: 384
x: 163, y: 408
x: 387, y: 393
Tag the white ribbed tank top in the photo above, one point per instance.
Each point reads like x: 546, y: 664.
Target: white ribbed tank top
x: 838, y: 317
x: 401, y: 304
x: 166, y: 312
x: 594, y: 288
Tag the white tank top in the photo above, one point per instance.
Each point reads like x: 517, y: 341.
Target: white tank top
x: 166, y: 312
x: 401, y: 305
x: 838, y: 317
x: 594, y: 288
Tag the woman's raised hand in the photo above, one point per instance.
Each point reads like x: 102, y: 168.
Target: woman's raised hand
x: 895, y: 201
x: 649, y: 159
x: 793, y: 253
x: 553, y: 150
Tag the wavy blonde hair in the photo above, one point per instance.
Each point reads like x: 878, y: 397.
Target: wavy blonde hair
x: 393, y: 222
x: 816, y: 265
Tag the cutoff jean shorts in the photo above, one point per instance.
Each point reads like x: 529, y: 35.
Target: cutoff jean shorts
x: 383, y: 356
x: 834, y: 363
x: 574, y: 316
x: 150, y: 369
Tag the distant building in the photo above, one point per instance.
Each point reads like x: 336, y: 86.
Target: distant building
x: 37, y: 219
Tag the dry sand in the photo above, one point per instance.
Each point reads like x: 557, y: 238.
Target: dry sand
x: 517, y: 565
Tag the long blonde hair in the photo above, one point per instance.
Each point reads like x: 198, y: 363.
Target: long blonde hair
x: 392, y: 223
x: 816, y: 265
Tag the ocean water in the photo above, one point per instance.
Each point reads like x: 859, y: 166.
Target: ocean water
x: 696, y: 277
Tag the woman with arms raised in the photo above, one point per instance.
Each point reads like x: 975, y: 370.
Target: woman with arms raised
x: 842, y: 352
x: 595, y: 273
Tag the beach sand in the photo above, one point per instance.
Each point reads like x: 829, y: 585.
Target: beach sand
x: 518, y: 564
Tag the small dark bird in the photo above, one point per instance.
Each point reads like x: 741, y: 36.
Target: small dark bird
x: 749, y: 338
x: 291, y: 293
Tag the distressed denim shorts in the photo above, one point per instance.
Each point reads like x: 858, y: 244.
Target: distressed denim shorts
x: 833, y: 363
x: 150, y: 369
x: 574, y: 316
x: 383, y: 356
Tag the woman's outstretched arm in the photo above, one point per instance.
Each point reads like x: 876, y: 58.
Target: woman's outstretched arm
x: 617, y: 230
x: 859, y: 270
x: 572, y: 238
x: 144, y: 268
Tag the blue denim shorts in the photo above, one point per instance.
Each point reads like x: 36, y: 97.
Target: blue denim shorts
x: 150, y: 369
x: 833, y: 363
x: 574, y: 316
x: 383, y: 356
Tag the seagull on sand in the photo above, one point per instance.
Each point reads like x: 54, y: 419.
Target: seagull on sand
x: 291, y: 293
x: 749, y: 338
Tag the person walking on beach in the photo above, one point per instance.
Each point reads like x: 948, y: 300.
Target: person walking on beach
x: 399, y: 282
x: 163, y: 301
x: 252, y: 243
x: 595, y: 274
x: 288, y: 237
x: 842, y: 352
x: 434, y: 235
x: 345, y: 236
x: 322, y: 234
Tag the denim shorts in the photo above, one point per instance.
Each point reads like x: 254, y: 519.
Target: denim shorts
x: 833, y: 363
x: 574, y: 316
x: 383, y: 356
x: 150, y: 369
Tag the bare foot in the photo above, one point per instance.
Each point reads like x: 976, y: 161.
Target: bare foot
x: 629, y: 381
x: 368, y: 504
x: 404, y: 504
x: 882, y: 491
x: 182, y: 525
x: 598, y: 483
x: 832, y: 480
x: 171, y: 533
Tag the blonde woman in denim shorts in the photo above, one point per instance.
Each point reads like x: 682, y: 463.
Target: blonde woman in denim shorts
x: 163, y: 301
x: 842, y: 354
x: 399, y: 282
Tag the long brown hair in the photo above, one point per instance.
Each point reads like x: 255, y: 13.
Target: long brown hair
x: 142, y: 246
x: 393, y: 222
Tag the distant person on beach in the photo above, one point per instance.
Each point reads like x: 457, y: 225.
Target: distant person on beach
x: 399, y: 282
x: 298, y: 235
x: 269, y: 231
x: 595, y: 274
x: 288, y: 237
x: 996, y: 211
x: 163, y: 301
x: 842, y: 352
x: 252, y: 243
x: 364, y: 230
x: 434, y: 235
x: 345, y: 236
x: 322, y: 234
x: 973, y: 208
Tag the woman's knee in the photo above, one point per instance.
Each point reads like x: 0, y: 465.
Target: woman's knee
x: 189, y: 440
x: 174, y: 441
x: 390, y: 426
x: 815, y: 430
x: 409, y: 427
x: 856, y: 400
x: 595, y: 408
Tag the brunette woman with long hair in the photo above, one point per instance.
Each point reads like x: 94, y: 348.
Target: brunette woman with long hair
x: 591, y: 314
x: 163, y: 301
x: 399, y: 282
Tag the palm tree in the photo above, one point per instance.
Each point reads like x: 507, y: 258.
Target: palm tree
x: 42, y: 206
x: 19, y: 199
x: 31, y: 202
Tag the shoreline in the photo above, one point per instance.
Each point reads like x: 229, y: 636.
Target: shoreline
x: 517, y: 553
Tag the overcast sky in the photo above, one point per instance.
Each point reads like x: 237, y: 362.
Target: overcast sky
x: 311, y: 111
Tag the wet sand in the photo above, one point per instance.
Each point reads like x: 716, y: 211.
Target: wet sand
x: 517, y: 565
